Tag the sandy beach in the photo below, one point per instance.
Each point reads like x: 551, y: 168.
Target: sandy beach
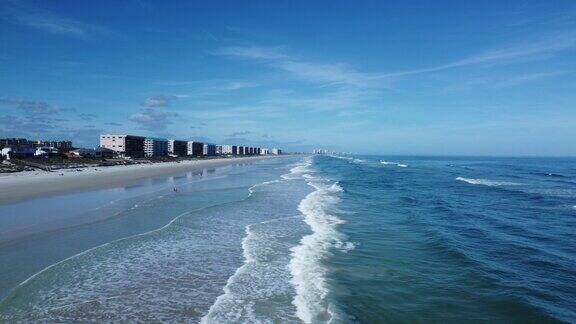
x: 24, y: 185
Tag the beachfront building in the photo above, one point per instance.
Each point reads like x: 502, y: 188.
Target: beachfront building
x: 241, y: 150
x: 61, y: 146
x: 218, y: 149
x: 17, y: 152
x: 258, y: 150
x: 264, y: 151
x: 123, y: 145
x: 229, y: 150
x: 194, y: 148
x: 177, y: 148
x: 46, y: 151
x: 154, y: 147
x: 17, y: 147
x: 23, y: 144
x: 276, y: 151
x: 209, y: 149
x: 15, y: 143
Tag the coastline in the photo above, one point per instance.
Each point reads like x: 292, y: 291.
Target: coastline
x: 20, y: 186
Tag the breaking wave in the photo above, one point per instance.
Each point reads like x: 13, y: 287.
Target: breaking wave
x: 306, y: 265
x: 400, y: 165
x: 487, y: 182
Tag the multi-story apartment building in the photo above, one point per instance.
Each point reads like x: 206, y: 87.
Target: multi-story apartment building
x: 276, y: 151
x: 61, y: 146
x: 154, y: 147
x: 264, y: 151
x: 123, y: 145
x: 15, y: 143
x: 229, y: 149
x: 218, y: 149
x: 209, y: 149
x: 178, y: 148
x: 226, y: 149
x: 241, y: 150
x: 194, y: 148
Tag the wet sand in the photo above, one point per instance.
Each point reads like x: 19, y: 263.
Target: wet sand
x: 20, y: 186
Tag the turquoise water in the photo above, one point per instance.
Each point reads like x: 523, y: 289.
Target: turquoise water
x: 318, y: 239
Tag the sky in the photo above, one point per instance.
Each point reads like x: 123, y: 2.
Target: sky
x: 373, y: 77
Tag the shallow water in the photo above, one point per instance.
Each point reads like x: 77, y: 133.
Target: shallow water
x: 310, y: 239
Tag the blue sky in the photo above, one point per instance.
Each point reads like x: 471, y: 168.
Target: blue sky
x: 391, y: 77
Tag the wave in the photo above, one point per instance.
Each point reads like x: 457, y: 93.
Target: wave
x: 263, y: 276
x: 549, y: 174
x: 487, y: 182
x: 298, y: 169
x: 348, y: 158
x: 554, y: 192
x: 400, y: 165
x: 251, y: 189
x: 306, y: 264
x: 92, y: 276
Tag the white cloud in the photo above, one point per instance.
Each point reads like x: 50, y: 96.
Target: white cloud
x: 29, y: 15
x: 322, y: 73
x: 159, y: 101
x: 550, y: 45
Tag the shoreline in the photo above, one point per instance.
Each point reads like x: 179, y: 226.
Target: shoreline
x: 16, y: 187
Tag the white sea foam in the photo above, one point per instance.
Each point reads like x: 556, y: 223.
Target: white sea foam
x: 306, y: 266
x: 145, y: 277
x: 400, y: 165
x: 251, y: 189
x: 263, y: 276
x: 348, y: 158
x: 487, y: 182
x: 298, y: 169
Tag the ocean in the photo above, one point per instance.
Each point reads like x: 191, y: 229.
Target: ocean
x: 313, y: 239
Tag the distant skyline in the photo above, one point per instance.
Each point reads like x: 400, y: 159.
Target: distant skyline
x: 375, y: 77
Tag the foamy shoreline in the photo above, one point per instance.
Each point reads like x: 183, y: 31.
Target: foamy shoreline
x: 29, y: 184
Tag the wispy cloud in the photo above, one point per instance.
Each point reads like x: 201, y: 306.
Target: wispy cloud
x: 515, y: 80
x: 159, y: 101
x: 239, y: 133
x: 35, y: 17
x: 253, y: 52
x: 47, y: 127
x: 153, y: 120
x: 31, y: 106
x: 320, y: 73
x: 209, y: 87
x: 345, y: 74
x: 541, y: 48
x: 86, y: 116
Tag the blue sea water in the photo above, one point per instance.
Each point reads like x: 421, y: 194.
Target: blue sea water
x: 320, y: 239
